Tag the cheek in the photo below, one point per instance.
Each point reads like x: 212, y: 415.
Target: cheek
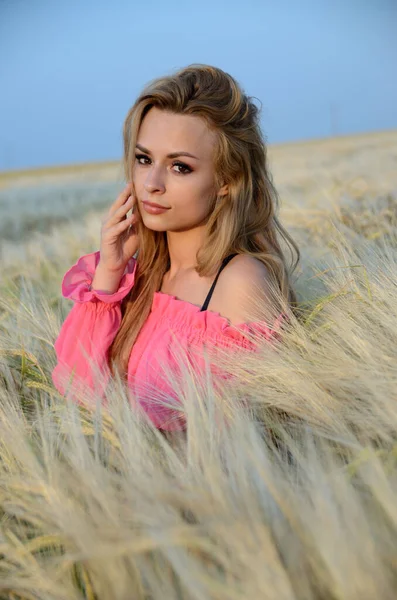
x: 193, y: 204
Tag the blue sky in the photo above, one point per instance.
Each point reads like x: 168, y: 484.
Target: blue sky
x: 71, y: 69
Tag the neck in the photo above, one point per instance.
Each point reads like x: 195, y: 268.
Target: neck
x: 183, y: 247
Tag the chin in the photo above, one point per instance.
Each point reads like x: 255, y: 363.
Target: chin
x: 153, y: 226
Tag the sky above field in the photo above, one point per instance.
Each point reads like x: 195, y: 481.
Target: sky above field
x: 71, y: 70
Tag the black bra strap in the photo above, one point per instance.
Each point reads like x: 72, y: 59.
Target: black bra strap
x: 223, y: 265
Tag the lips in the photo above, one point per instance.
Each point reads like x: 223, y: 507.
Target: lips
x: 155, y: 205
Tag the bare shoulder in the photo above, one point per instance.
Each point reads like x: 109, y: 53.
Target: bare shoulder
x: 243, y: 292
x: 244, y: 265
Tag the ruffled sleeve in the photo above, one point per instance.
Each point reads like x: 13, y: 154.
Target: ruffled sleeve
x: 222, y: 339
x: 90, y: 327
x: 246, y: 335
x: 208, y: 334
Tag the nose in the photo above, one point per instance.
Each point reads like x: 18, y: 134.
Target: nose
x: 154, y: 182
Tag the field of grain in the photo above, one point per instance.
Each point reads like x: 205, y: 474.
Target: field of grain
x: 295, y: 499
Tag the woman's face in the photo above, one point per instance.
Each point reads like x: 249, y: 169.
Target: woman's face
x: 183, y: 184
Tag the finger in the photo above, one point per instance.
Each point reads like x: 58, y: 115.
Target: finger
x: 120, y: 213
x: 122, y: 210
x: 121, y: 198
x: 123, y: 224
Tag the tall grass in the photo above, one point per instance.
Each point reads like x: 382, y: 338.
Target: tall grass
x: 285, y: 484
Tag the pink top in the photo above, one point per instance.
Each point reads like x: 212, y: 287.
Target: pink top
x: 171, y: 326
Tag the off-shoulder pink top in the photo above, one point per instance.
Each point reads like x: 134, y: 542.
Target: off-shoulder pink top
x: 95, y: 318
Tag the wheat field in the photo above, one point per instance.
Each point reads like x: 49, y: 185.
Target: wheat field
x: 293, y: 499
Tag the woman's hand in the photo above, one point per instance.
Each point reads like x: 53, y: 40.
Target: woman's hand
x: 119, y: 237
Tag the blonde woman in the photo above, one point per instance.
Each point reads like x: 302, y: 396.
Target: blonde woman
x: 198, y: 249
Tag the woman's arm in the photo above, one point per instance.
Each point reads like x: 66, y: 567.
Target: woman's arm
x: 91, y: 326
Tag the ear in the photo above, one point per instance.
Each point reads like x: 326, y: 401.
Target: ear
x: 223, y: 190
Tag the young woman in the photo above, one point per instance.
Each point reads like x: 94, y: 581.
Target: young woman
x: 188, y: 266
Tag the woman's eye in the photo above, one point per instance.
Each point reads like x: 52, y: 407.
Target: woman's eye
x: 182, y: 166
x: 185, y: 168
x: 139, y: 156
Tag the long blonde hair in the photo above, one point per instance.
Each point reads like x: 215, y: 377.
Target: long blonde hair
x: 242, y: 221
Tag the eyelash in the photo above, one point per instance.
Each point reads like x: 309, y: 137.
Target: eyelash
x: 179, y: 164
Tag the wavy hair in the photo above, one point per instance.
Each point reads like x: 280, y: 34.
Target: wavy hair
x: 242, y: 221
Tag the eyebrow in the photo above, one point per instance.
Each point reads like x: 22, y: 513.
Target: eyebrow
x: 172, y: 155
